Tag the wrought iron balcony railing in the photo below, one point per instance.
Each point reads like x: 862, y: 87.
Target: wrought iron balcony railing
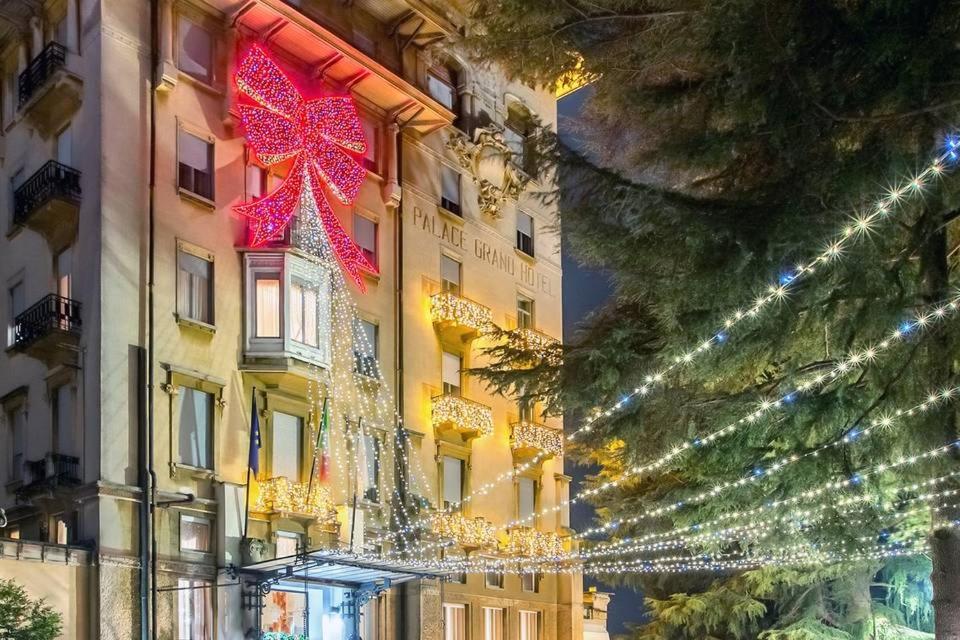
x: 450, y: 310
x: 53, y: 181
x: 530, y: 437
x: 40, y: 70
x: 52, y: 471
x: 280, y: 495
x: 52, y: 314
x: 467, y: 417
x: 528, y: 542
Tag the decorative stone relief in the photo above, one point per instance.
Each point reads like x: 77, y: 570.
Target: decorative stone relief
x: 489, y: 162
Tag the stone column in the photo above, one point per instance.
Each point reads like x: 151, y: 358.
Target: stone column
x: 166, y: 78
x: 390, y: 192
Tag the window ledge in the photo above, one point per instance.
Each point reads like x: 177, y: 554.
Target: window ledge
x: 446, y: 213
x: 525, y: 256
x: 212, y: 89
x: 178, y: 469
x: 196, y: 198
x: 197, y: 325
x: 373, y: 278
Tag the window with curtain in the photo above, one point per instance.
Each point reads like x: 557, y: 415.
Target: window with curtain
x: 371, y: 467
x: 529, y: 625
x: 17, y: 439
x: 195, y: 533
x: 454, y: 621
x: 366, y: 349
x: 64, y: 410
x: 267, y: 311
x: 492, y: 623
x: 256, y: 181
x: 450, y: 270
x: 304, y: 307
x: 530, y: 582
x: 67, y: 527
x: 442, y: 86
x: 370, y: 155
x: 524, y: 313
x: 365, y: 235
x: 525, y: 233
x: 194, y: 613
x: 286, y: 447
x: 494, y: 579
x: 194, y: 287
x: 65, y: 146
x: 527, y: 413
x: 288, y: 544
x: 452, y: 481
x: 195, y: 50
x: 518, y: 136
x: 526, y: 498
x: 195, y: 164
x: 450, y: 189
x: 196, y: 427
x: 16, y: 298
x: 450, y: 373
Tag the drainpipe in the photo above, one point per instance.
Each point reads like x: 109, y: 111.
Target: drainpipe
x: 398, y: 241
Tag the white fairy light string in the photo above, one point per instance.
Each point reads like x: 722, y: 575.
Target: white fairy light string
x: 861, y: 224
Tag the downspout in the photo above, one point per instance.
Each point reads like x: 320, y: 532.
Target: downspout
x: 398, y: 302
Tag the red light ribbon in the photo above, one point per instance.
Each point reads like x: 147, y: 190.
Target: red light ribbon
x: 319, y: 135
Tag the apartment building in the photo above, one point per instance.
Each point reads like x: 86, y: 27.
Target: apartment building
x: 150, y: 327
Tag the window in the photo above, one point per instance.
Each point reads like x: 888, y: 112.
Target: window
x: 16, y: 298
x: 525, y: 233
x: 16, y: 434
x: 529, y: 625
x: 450, y: 374
x: 195, y: 533
x: 454, y: 622
x: 64, y: 267
x: 366, y: 349
x: 60, y: 30
x: 12, y: 533
x: 452, y: 481
x: 64, y: 433
x: 15, y: 182
x: 370, y: 155
x: 66, y: 528
x: 256, y: 181
x: 195, y: 164
x: 517, y: 135
x: 526, y: 411
x: 493, y: 623
x: 526, y: 499
x: 10, y: 94
x: 524, y: 313
x: 442, y: 86
x: 65, y: 146
x: 196, y: 427
x: 371, y: 467
x: 286, y: 447
x: 288, y: 544
x: 195, y: 52
x: 194, y: 286
x: 494, y: 579
x: 365, y: 232
x: 194, y: 613
x: 267, y: 305
x: 450, y: 270
x: 450, y: 189
x: 530, y: 582
x: 304, y: 312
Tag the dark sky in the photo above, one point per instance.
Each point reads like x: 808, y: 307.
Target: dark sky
x: 583, y: 291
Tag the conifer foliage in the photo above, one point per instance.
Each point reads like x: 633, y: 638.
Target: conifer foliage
x: 725, y: 143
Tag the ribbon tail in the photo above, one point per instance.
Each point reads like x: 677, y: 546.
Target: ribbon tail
x: 272, y: 213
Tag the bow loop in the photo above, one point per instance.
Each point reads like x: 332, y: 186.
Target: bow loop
x: 274, y: 137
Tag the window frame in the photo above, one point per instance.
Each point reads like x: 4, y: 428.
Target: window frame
x: 210, y: 78
x: 538, y: 617
x: 374, y: 258
x: 530, y: 317
x: 443, y: 280
x: 16, y: 406
x: 449, y: 634
x: 178, y: 377
x: 302, y: 423
x: 536, y: 576
x: 187, y: 588
x: 184, y: 247
x: 536, y: 487
x: 443, y: 383
x: 526, y: 243
x: 184, y: 128
x: 15, y: 283
x: 362, y: 365
x: 455, y: 208
x: 201, y: 520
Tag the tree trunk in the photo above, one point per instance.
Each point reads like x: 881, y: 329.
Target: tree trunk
x: 945, y: 552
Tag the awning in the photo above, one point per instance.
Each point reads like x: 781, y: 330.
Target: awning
x: 336, y: 569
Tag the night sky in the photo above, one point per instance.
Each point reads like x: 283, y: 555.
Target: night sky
x: 583, y: 291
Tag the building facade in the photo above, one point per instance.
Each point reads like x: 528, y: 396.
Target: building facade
x: 147, y: 334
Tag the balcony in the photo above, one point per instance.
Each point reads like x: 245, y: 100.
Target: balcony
x: 49, y: 330
x: 49, y: 203
x: 53, y: 471
x: 457, y: 317
x: 49, y: 93
x: 529, y: 439
x: 291, y: 499
x: 471, y: 533
x: 527, y: 542
x: 465, y: 417
x: 541, y: 346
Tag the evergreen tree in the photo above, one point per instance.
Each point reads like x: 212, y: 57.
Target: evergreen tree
x: 726, y: 142
x: 22, y: 618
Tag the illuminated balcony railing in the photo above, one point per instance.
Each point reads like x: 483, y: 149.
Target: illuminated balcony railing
x: 470, y: 419
x: 279, y: 495
x: 457, y: 314
x: 536, y: 340
x: 466, y: 532
x: 527, y: 542
x: 530, y: 438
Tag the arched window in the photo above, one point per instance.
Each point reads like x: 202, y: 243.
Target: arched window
x: 443, y: 84
x: 518, y: 134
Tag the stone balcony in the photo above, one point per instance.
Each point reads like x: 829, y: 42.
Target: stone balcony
x: 49, y: 330
x: 53, y: 472
x: 470, y: 533
x: 530, y: 439
x: 48, y: 92
x: 290, y: 499
x: 49, y: 203
x: 457, y: 317
x: 467, y: 418
x: 527, y: 542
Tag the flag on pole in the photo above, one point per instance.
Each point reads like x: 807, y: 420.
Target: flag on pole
x: 254, y: 461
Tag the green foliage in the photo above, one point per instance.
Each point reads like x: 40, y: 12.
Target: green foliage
x: 725, y: 142
x: 22, y: 618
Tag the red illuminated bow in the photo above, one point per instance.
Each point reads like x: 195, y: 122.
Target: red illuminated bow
x: 317, y: 134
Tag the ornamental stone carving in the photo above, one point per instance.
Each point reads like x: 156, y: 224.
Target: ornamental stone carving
x: 490, y: 164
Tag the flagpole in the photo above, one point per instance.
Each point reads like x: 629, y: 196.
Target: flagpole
x: 246, y: 506
x: 353, y: 515
x: 316, y: 448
